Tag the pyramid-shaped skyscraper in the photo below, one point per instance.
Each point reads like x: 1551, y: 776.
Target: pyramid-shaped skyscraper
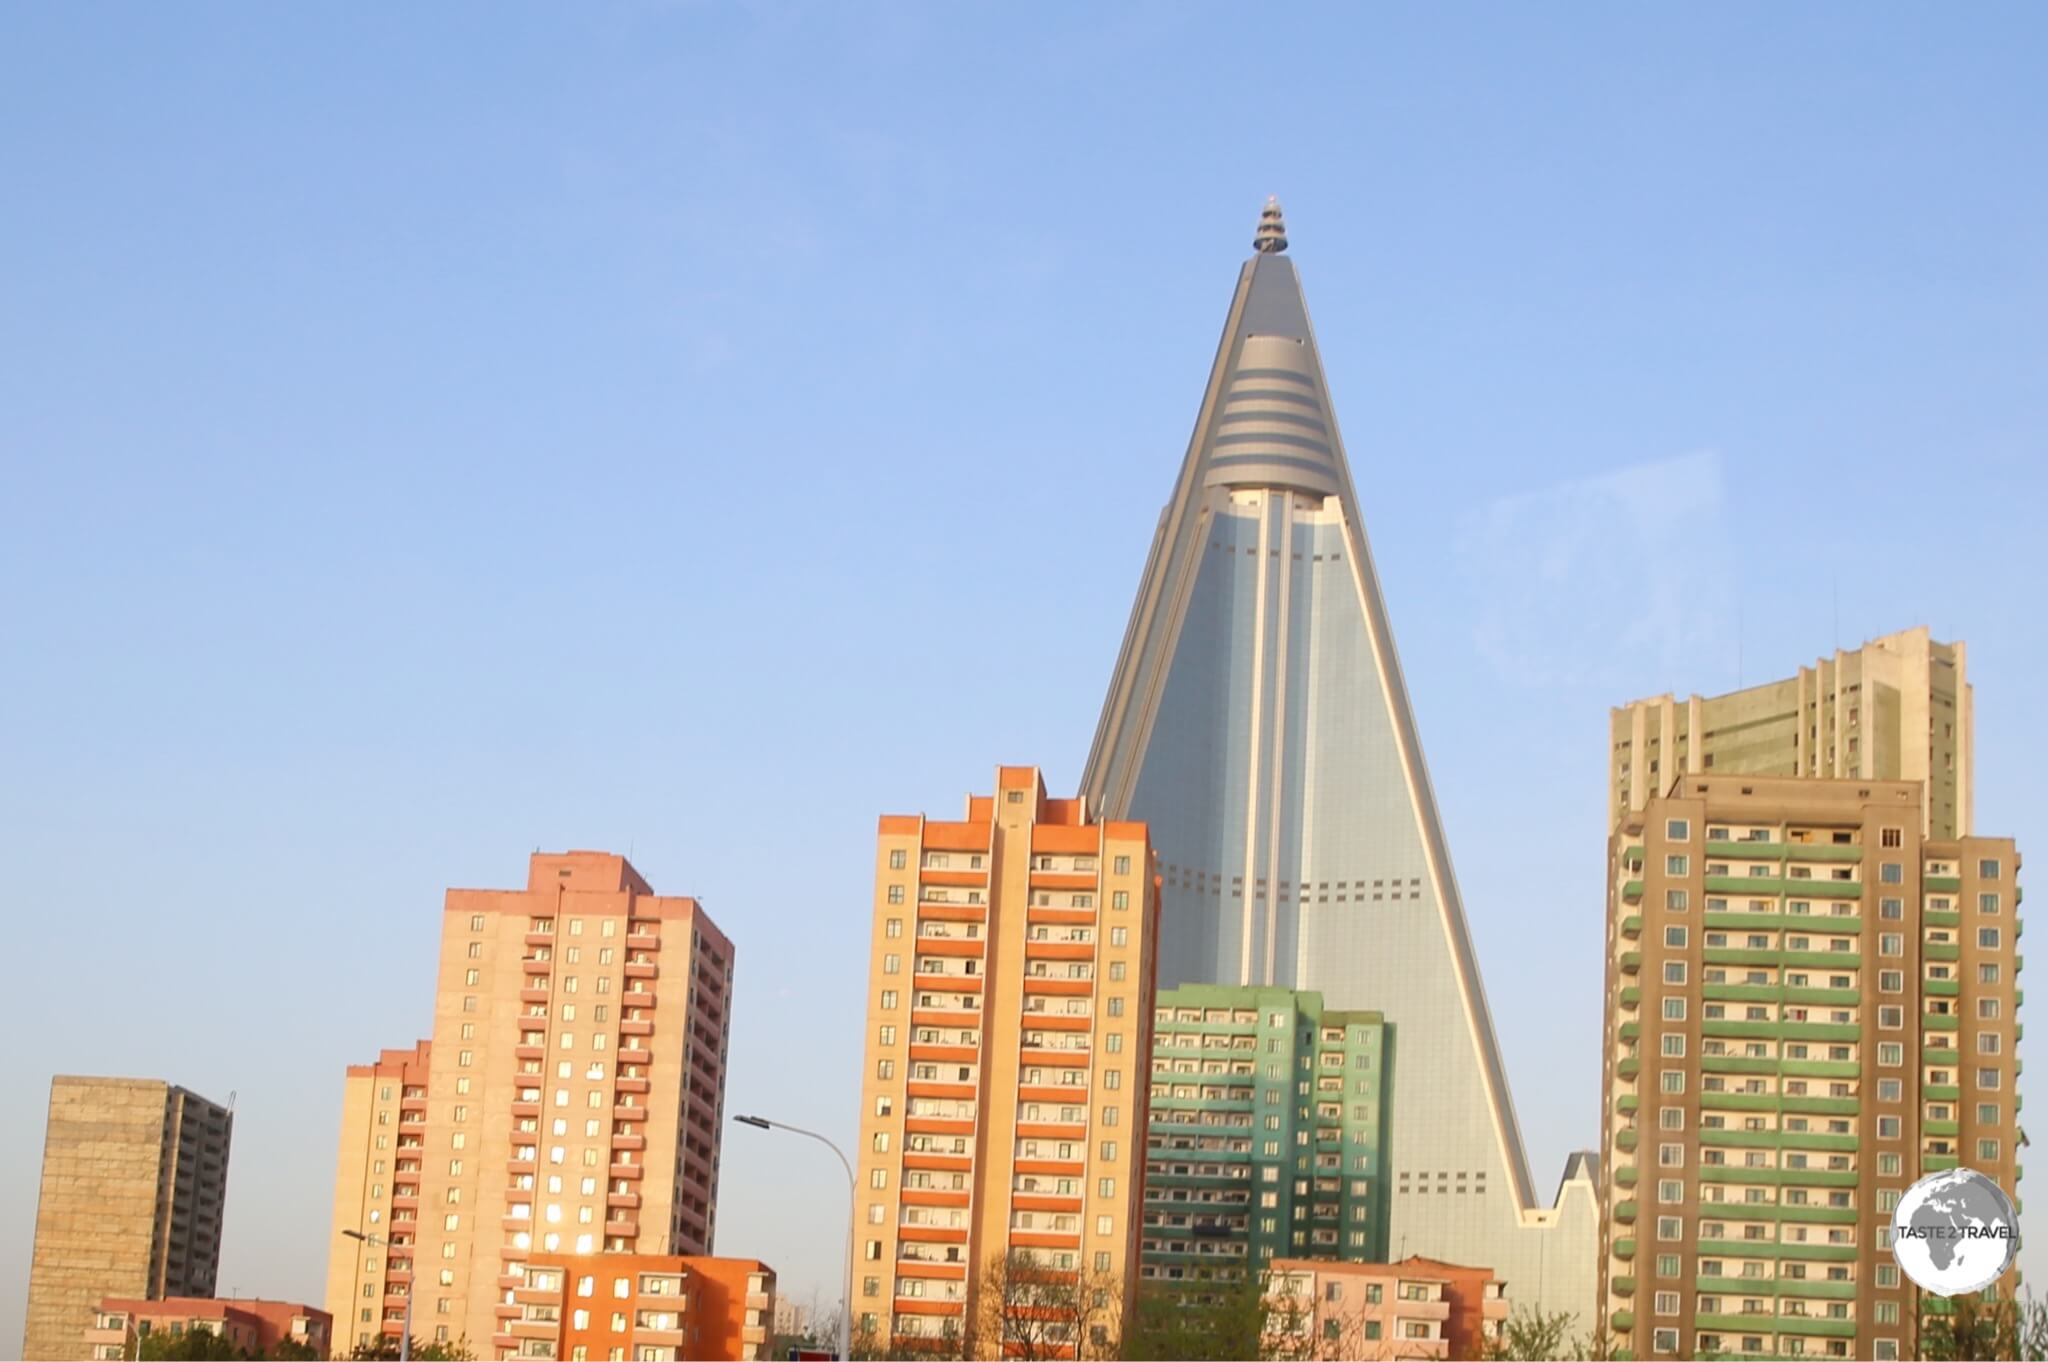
x: 1257, y: 720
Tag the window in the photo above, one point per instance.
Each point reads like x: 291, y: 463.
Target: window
x: 1987, y: 938
x: 1674, y: 938
x: 1674, y: 900
x: 1891, y: 837
x: 1674, y: 1009
x: 1674, y: 865
x: 895, y: 893
x: 1120, y: 900
x: 896, y: 859
x: 1664, y: 1340
x: 1891, y: 872
x: 1987, y: 870
x: 1674, y: 971
x: 1677, y: 830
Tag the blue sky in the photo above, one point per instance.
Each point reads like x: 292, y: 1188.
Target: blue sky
x: 428, y: 434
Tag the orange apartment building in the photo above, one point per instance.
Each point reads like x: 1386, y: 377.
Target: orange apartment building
x: 252, y: 1326
x: 640, y: 1306
x: 570, y: 1101
x: 1416, y: 1308
x: 1009, y: 1035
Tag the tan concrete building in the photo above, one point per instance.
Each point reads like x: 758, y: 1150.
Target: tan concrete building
x: 571, y: 1101
x: 1009, y: 1034
x: 1810, y: 1006
x: 135, y: 1179
x: 1898, y: 708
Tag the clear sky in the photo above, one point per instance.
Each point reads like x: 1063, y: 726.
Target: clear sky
x: 432, y: 433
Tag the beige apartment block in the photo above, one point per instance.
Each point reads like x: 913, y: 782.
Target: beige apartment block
x: 1810, y: 1005
x: 1898, y: 708
x: 1009, y: 1040
x: 570, y: 1102
x: 134, y: 1185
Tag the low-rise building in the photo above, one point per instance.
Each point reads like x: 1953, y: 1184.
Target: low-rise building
x: 644, y: 1306
x: 254, y: 1327
x: 1416, y: 1308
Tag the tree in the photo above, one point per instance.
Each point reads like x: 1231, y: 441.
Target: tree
x: 186, y: 1345
x: 384, y: 1347
x: 1208, y: 1319
x: 1026, y: 1307
x: 1975, y: 1327
x: 292, y: 1350
x: 1536, y: 1335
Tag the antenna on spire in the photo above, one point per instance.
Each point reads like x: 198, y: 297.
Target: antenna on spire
x: 1272, y: 234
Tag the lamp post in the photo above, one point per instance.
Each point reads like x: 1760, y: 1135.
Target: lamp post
x: 405, y: 1338
x: 846, y: 1312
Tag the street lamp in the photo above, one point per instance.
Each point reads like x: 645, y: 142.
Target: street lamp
x: 404, y: 1339
x: 846, y: 1313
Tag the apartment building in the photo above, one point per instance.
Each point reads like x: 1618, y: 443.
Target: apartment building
x: 1810, y: 1006
x: 1003, y: 1109
x: 1416, y: 1308
x: 1268, y: 1133
x: 1898, y: 708
x: 570, y: 1101
x: 134, y: 1186
x: 646, y: 1307
x: 253, y: 1327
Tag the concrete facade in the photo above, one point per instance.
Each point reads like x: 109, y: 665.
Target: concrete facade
x: 1810, y: 1006
x: 134, y: 1187
x: 1009, y: 1023
x: 571, y: 1100
x: 1257, y: 721
x: 1898, y: 708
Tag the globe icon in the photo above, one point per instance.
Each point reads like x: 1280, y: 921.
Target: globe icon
x: 1955, y: 1232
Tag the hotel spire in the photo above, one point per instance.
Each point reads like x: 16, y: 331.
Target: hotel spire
x: 1271, y: 238
x: 1257, y: 721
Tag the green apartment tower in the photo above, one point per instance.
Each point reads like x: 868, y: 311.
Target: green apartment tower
x: 1268, y: 1133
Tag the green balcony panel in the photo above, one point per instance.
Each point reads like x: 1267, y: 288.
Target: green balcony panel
x: 1625, y: 1139
x: 1739, y: 1101
x: 1820, y: 1068
x: 1940, y: 950
x: 1631, y: 995
x: 1825, y: 889
x: 1936, y: 1163
x: 1938, y: 1128
x: 1628, y: 1103
x: 1741, y: 993
x: 1935, y: 917
x: 1625, y: 1212
x: 1824, y: 1106
x: 1941, y: 884
x: 1631, y: 1030
x: 1631, y: 961
x: 1626, y: 1175
x: 1624, y: 1320
x: 1744, y: 884
x: 1629, y: 1068
x: 1741, y: 1064
x: 1632, y: 891
x: 1942, y: 988
x: 1632, y: 855
x: 1816, y: 1253
x: 1625, y: 1248
x: 1940, y: 1021
x: 1821, y: 851
x: 1632, y: 925
x: 1622, y: 1286
x: 1941, y: 1092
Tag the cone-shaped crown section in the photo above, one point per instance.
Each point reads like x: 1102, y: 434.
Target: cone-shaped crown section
x: 1272, y: 234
